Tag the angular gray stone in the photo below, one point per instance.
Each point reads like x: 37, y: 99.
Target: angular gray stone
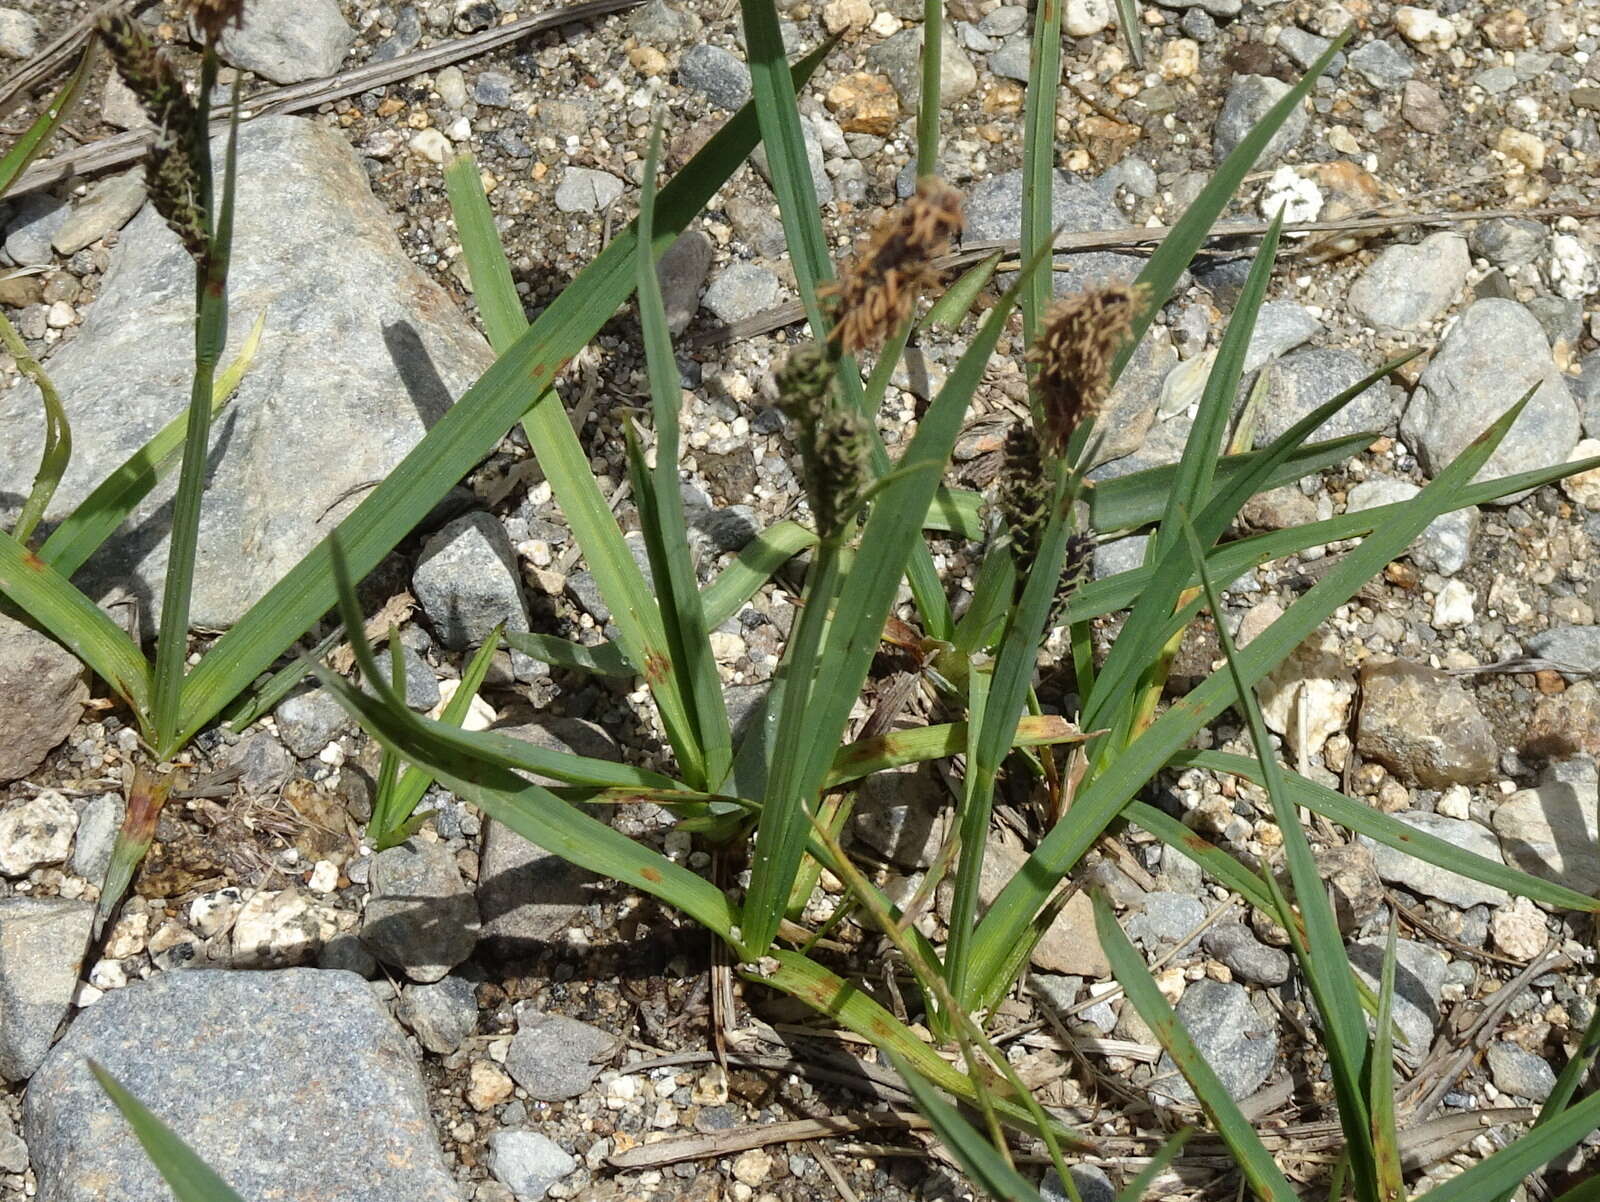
x: 527, y: 896
x: 264, y: 763
x: 493, y: 88
x: 682, y: 272
x: 35, y: 831
x: 1165, y: 919
x: 287, y: 41
x: 420, y: 917
x: 1381, y: 65
x: 308, y: 720
x: 42, y: 941
x: 1130, y: 410
x: 422, y: 683
x: 1399, y: 867
x: 42, y: 691
x: 1423, y: 726
x: 19, y: 34
x: 33, y: 226
x: 993, y: 207
x: 441, y: 1015
x: 1508, y: 242
x: 1551, y: 830
x: 1494, y: 353
x: 585, y: 190
x: 899, y: 56
x: 1306, y: 379
x: 1249, y: 98
x: 1280, y: 327
x: 290, y: 1084
x: 1120, y: 555
x: 554, y: 1057
x: 1518, y: 1072
x: 741, y: 290
x: 1239, y: 1045
x: 1444, y: 547
x: 901, y: 815
x: 1236, y: 946
x: 717, y: 74
x: 13, y: 1152
x: 1575, y: 648
x: 1305, y: 48
x: 1011, y: 60
x: 98, y: 823
x: 528, y: 1163
x: 663, y: 26
x: 1419, y: 978
x: 1092, y: 1183
x: 1407, y: 287
x: 467, y: 582
x: 109, y: 205
x: 308, y: 431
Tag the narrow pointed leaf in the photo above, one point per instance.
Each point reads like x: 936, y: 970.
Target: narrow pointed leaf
x: 191, y: 1179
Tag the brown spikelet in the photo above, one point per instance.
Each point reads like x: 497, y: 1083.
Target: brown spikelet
x: 211, y: 16
x: 172, y: 166
x: 1073, y: 354
x: 879, y: 289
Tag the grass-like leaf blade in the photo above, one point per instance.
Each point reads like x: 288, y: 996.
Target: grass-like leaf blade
x: 191, y: 1179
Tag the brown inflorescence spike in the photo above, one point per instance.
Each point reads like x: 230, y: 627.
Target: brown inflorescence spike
x: 212, y: 16
x: 878, y: 290
x: 1073, y: 353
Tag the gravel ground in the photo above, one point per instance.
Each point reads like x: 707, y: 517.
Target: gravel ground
x: 1457, y: 690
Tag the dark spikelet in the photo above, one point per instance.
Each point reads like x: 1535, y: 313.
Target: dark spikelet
x: 1024, y: 495
x: 1076, y: 568
x: 172, y: 166
x: 212, y: 16
x: 838, y: 468
x: 804, y: 382
x: 1073, y: 354
x: 879, y: 288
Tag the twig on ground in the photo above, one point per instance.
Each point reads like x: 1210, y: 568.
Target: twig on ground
x: 759, y: 1135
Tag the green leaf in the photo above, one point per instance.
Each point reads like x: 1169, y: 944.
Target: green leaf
x: 1039, y: 160
x: 1249, y: 1153
x: 97, y: 516
x: 641, y: 629
x: 80, y: 625
x: 191, y: 1179
x: 1097, y: 805
x: 1507, y: 1168
x: 929, y: 92
x: 977, y: 1156
x: 457, y: 758
x: 57, y: 451
x: 665, y: 528
x: 1320, y: 952
x: 39, y: 131
x: 393, y: 809
x: 1386, y: 829
x: 951, y: 309
x: 883, y: 753
x: 462, y: 437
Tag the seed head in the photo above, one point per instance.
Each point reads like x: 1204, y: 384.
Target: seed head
x: 804, y: 382
x: 172, y: 166
x: 837, y: 467
x: 211, y: 16
x: 1073, y: 355
x: 879, y: 289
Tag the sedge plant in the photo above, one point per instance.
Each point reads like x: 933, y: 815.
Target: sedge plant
x: 776, y: 788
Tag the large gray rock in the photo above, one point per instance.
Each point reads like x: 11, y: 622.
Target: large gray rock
x: 1575, y: 648
x: 467, y: 582
x: 526, y: 895
x: 1428, y: 880
x: 1249, y: 99
x: 899, y: 56
x: 290, y: 1084
x: 1519, y: 1072
x: 42, y: 691
x: 421, y: 916
x: 1494, y: 353
x: 309, y: 430
x: 1229, y: 1032
x: 1280, y: 327
x: 287, y: 41
x: 110, y: 205
x: 717, y: 74
x: 42, y: 941
x: 993, y: 207
x: 1407, y: 287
